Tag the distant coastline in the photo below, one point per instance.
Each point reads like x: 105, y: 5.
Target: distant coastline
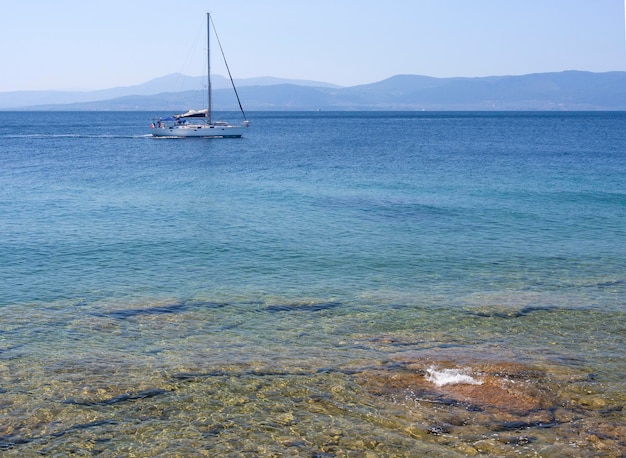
x: 561, y: 91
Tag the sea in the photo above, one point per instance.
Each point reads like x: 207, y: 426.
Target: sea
x: 331, y: 284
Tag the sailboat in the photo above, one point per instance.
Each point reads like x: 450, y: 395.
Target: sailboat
x: 199, y: 123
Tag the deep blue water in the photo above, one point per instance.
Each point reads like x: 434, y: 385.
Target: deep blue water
x: 361, y: 224
x: 311, y: 205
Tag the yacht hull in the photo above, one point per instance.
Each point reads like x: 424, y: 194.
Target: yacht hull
x: 203, y: 131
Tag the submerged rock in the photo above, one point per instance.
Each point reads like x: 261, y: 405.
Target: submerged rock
x: 507, y: 396
x: 488, y: 407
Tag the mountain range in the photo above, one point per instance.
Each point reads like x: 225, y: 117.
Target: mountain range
x: 568, y: 90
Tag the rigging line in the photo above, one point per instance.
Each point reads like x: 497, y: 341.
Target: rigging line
x: 228, y: 69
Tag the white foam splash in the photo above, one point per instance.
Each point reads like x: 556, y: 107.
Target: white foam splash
x: 450, y: 377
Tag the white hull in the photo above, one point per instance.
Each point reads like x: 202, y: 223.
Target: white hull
x: 199, y: 130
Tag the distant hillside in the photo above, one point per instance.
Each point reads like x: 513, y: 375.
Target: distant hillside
x: 173, y: 83
x: 570, y: 90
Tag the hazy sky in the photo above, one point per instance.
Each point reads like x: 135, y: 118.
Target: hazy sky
x: 81, y: 44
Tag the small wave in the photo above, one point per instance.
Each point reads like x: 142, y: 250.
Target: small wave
x: 44, y: 136
x: 450, y: 377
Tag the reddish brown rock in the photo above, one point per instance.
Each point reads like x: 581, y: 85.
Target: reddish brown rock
x: 509, y: 393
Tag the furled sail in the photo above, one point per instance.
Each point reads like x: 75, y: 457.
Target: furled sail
x: 193, y: 114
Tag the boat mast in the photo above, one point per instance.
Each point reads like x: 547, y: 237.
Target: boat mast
x: 208, y: 59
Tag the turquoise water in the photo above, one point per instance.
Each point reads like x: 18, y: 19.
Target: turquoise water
x: 287, y: 292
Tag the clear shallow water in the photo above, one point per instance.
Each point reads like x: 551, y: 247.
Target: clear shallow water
x: 285, y: 293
